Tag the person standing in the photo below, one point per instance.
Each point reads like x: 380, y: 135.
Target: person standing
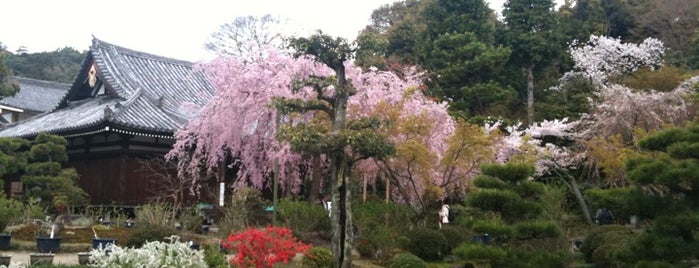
x: 443, y: 215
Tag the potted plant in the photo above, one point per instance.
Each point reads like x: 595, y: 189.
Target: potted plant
x: 47, y: 239
x: 101, y: 243
x: 5, y: 260
x: 10, y: 211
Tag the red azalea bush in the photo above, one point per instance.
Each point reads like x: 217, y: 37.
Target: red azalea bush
x: 263, y: 247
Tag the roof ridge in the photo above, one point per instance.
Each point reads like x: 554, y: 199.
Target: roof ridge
x: 39, y: 81
x: 97, y: 42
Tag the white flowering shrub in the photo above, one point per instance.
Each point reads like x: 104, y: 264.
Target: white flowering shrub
x: 151, y: 255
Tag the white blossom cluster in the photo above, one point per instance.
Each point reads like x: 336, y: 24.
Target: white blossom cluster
x: 603, y: 57
x: 530, y: 140
x: 151, y: 255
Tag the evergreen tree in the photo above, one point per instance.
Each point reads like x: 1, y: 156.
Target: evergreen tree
x: 46, y: 180
x: 535, y: 38
x: 7, y: 87
x: 669, y: 183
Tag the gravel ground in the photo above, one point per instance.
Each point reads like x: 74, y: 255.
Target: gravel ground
x: 58, y: 258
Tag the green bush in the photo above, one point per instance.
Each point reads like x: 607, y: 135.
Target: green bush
x: 10, y: 211
x: 653, y: 264
x: 496, y: 229
x: 369, y: 215
x: 406, y: 260
x: 537, y: 229
x: 428, y: 244
x: 455, y: 235
x: 606, y: 244
x: 247, y: 208
x: 143, y: 233
x: 318, y: 257
x: 213, y: 256
x: 478, y: 254
x: 543, y: 259
x: 303, y: 217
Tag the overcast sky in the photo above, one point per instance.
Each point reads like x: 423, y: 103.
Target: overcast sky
x: 172, y: 28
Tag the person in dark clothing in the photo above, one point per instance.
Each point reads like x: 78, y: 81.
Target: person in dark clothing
x: 604, y: 216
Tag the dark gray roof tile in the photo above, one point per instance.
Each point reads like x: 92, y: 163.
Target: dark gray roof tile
x: 149, y: 91
x: 36, y: 95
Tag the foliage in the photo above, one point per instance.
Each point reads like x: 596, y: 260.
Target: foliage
x: 60, y: 65
x: 246, y: 209
x: 428, y: 244
x: 152, y: 254
x: 380, y: 243
x: 213, y: 256
x: 263, y: 247
x: 156, y: 214
x: 303, y: 217
x: 607, y: 244
x: 479, y: 253
x: 455, y: 235
x: 536, y: 229
x: 144, y: 233
x: 372, y: 214
x: 10, y: 211
x: 7, y: 86
x: 511, y: 172
x: 318, y: 257
x: 46, y: 180
x: 406, y: 260
x: 380, y: 227
x: 670, y: 176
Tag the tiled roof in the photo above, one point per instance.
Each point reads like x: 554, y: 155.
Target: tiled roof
x: 147, y: 94
x: 36, y: 95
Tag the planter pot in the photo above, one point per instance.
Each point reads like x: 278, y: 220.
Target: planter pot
x: 84, y: 258
x: 5, y: 241
x: 101, y: 243
x: 5, y: 260
x: 47, y: 244
x: 38, y: 259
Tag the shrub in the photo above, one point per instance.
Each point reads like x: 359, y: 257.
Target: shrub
x: 478, y: 254
x: 529, y: 258
x: 143, y: 233
x: 213, y: 257
x: 262, y: 248
x: 455, y: 235
x: 151, y: 255
x: 428, y: 244
x: 10, y: 211
x: 406, y: 260
x: 155, y: 214
x: 606, y: 243
x: 303, y: 217
x: 318, y: 257
x: 496, y: 229
x: 537, y: 229
x: 246, y: 209
x: 653, y: 264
